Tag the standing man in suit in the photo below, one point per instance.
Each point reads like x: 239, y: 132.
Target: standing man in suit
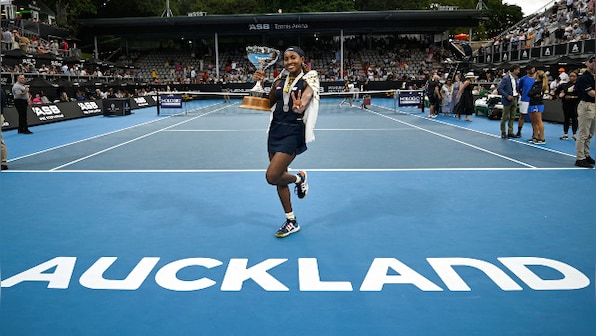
x: 509, y: 95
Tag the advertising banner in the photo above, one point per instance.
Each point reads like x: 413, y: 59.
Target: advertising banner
x: 170, y: 101
x: 410, y: 98
x: 38, y: 114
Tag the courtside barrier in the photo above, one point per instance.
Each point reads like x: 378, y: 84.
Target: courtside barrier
x: 39, y: 114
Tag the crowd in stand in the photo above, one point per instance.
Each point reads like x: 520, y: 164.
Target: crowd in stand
x: 12, y: 39
x: 565, y: 21
x: 373, y: 58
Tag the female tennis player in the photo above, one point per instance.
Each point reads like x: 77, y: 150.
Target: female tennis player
x: 294, y: 101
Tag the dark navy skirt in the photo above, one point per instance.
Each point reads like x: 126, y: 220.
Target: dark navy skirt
x: 286, y: 138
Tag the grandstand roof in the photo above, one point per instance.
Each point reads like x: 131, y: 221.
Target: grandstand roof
x: 378, y: 22
x: 30, y: 5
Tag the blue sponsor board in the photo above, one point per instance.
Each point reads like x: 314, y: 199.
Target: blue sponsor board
x: 170, y: 101
x: 410, y: 98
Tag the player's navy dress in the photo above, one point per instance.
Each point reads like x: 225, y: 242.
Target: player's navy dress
x: 286, y: 132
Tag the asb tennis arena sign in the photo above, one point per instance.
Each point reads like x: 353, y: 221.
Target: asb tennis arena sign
x: 58, y: 274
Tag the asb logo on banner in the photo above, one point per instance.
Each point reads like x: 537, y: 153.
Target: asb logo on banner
x: 47, y: 112
x: 409, y: 99
x: 170, y: 101
x: 141, y: 101
x: 89, y: 108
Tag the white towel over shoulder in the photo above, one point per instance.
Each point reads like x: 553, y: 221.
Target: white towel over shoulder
x: 312, y: 110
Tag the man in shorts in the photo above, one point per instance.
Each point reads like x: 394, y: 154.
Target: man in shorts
x: 524, y: 86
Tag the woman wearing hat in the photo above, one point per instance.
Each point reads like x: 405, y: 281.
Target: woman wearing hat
x: 465, y: 105
x: 294, y: 101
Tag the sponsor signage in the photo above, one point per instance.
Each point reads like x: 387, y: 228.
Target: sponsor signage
x: 45, y: 113
x: 89, y: 107
x: 410, y: 98
x: 508, y: 274
x: 276, y: 26
x: 170, y: 101
x: 141, y: 102
x: 38, y: 114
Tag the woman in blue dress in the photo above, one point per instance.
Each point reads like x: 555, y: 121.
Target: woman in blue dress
x: 294, y: 101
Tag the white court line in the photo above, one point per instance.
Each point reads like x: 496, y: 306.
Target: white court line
x: 217, y: 130
x: 322, y: 170
x: 83, y: 140
x: 484, y: 133
x: 316, y: 129
x: 133, y: 140
x: 455, y: 140
x: 95, y: 137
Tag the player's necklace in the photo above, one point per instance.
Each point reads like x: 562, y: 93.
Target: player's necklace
x: 288, y: 89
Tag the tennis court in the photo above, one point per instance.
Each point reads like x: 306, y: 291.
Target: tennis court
x: 163, y: 225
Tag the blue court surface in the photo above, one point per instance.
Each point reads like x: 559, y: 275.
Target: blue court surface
x: 163, y: 225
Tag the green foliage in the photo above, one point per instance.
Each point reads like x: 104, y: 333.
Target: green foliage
x: 67, y: 11
x: 377, y: 5
x: 327, y: 6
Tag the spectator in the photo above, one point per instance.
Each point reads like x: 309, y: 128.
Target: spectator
x: 465, y: 105
x: 64, y: 97
x: 3, y: 150
x: 536, y: 107
x: 37, y: 99
x: 22, y: 99
x: 568, y: 93
x: 509, y: 96
x: 563, y: 76
x: 524, y: 85
x: 44, y: 98
x: 586, y: 114
x: 447, y: 97
x: 456, y: 86
x: 434, y: 95
x: 80, y: 95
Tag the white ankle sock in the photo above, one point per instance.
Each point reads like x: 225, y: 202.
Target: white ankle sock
x: 290, y: 215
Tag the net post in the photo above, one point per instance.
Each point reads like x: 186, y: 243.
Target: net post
x: 158, y: 103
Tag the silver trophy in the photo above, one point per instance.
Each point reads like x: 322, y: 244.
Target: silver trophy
x: 261, y: 58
